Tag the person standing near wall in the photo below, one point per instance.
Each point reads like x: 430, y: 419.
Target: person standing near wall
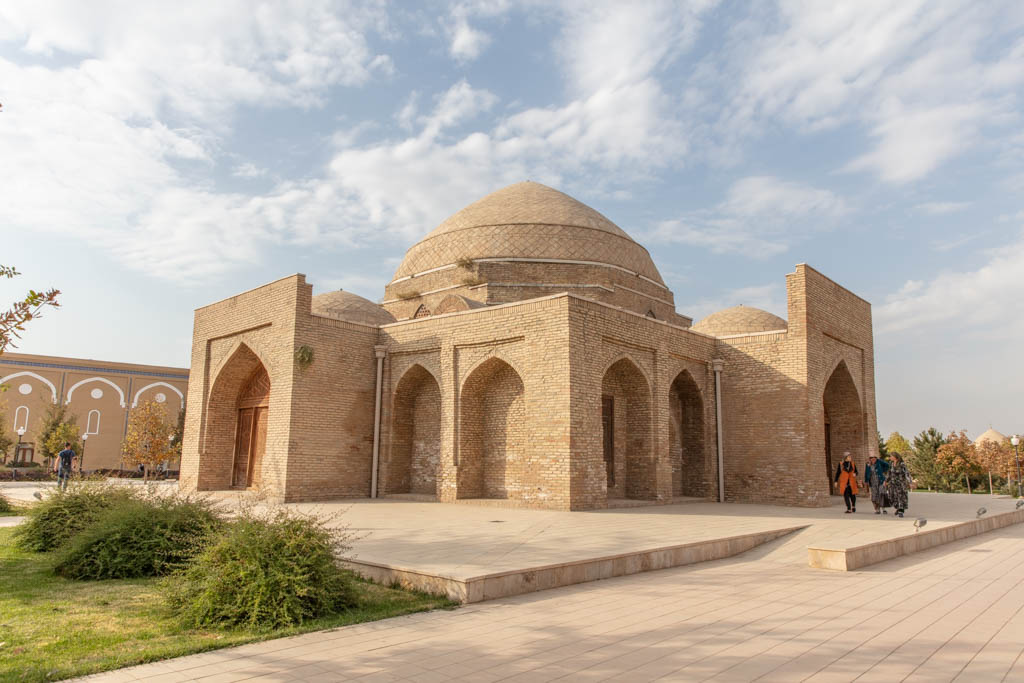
x: 64, y: 464
x: 846, y: 478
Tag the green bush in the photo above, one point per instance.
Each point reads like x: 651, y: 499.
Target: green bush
x: 265, y: 572
x: 64, y: 513
x: 5, y: 504
x: 137, y: 537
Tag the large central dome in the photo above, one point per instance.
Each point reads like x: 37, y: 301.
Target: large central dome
x: 528, y: 221
x: 523, y: 242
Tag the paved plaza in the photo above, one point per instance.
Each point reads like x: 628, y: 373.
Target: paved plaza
x: 951, y: 613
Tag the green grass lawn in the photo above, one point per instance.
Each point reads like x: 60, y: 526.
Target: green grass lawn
x: 52, y: 628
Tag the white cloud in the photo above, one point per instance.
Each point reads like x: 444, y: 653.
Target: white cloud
x: 108, y: 145
x: 248, y: 171
x: 467, y: 42
x: 983, y: 301
x: 761, y: 216
x: 941, y: 208
x: 925, y: 80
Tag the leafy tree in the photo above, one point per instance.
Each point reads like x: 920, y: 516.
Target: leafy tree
x: 897, y: 443
x: 957, y: 458
x: 179, y: 433
x: 14, y: 319
x: 922, y: 463
x: 57, y: 421
x: 882, y: 452
x: 996, y: 458
x: 66, y: 432
x: 6, y: 441
x: 148, y: 441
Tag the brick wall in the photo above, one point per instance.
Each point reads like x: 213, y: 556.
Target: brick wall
x: 506, y: 401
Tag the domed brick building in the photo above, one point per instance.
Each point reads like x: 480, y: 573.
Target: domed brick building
x: 528, y: 350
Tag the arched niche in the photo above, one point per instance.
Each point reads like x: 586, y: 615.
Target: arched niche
x: 416, y: 434
x: 687, y: 453
x: 236, y: 424
x: 626, y: 432
x: 844, y: 421
x: 492, y: 431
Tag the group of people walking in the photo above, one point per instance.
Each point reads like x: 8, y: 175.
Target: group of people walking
x: 888, y: 483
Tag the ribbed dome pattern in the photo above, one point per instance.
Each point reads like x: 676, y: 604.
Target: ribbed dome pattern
x: 529, y: 221
x: 342, y: 305
x: 740, y: 320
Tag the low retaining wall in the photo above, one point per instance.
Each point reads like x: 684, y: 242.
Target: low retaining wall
x: 848, y: 559
x: 519, y: 581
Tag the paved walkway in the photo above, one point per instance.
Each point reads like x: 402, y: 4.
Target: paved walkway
x: 952, y: 613
x: 469, y: 540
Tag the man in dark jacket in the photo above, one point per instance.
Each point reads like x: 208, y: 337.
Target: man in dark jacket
x: 64, y: 464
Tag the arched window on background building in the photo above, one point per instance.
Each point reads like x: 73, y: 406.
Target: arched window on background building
x: 21, y: 418
x: 92, y: 425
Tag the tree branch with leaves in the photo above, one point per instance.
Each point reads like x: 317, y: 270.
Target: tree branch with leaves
x: 14, y: 319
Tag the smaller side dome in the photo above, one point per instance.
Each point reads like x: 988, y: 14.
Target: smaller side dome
x: 456, y: 302
x: 342, y: 305
x: 740, y: 320
x: 990, y: 435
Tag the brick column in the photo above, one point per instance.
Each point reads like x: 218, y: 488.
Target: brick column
x: 448, y: 473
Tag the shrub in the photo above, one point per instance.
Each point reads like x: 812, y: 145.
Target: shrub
x: 5, y: 504
x: 136, y: 537
x: 265, y: 572
x: 64, y: 513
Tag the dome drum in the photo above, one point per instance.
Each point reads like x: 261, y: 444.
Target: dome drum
x: 525, y: 241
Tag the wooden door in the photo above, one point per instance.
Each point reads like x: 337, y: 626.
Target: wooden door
x: 258, y: 445
x: 243, y: 443
x: 608, y: 431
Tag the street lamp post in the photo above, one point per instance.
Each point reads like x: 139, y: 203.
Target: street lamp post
x: 17, y: 452
x: 1015, y: 440
x: 81, y: 460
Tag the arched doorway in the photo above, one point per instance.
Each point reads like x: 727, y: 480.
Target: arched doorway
x: 235, y: 428
x: 492, y: 431
x: 251, y: 435
x: 844, y: 421
x: 416, y: 434
x: 626, y: 426
x: 686, y: 437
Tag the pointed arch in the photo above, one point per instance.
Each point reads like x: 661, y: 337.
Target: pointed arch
x: 74, y: 386
x: 240, y: 347
x: 844, y: 420
x: 484, y: 361
x: 623, y: 356
x: 236, y: 422
x: 492, y: 431
x: 135, y: 401
x: 421, y: 312
x: 627, y: 431
x: 415, y: 457
x: 26, y: 373
x: 691, y: 467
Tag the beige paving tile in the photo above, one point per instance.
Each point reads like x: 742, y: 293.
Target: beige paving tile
x: 759, y: 616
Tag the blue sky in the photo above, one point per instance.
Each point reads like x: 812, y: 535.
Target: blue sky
x: 156, y: 159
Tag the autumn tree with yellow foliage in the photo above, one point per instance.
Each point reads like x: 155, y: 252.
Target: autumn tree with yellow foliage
x: 148, y: 441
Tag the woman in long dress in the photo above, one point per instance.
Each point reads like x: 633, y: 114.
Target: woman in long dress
x: 897, y: 485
